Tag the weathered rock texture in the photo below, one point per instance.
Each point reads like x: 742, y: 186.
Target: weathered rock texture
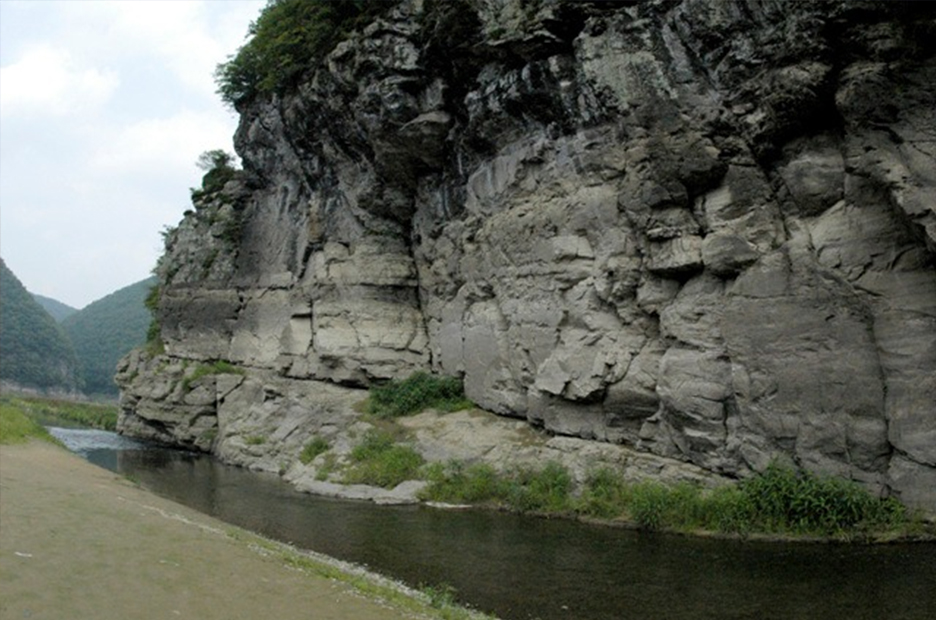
x: 703, y: 229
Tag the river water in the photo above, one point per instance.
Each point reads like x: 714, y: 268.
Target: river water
x: 523, y: 568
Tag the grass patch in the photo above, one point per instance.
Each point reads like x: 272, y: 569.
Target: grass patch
x: 219, y: 367
x: 255, y: 440
x: 315, y: 446
x: 379, y: 461
x: 417, y: 392
x: 778, y: 501
x: 17, y: 427
x: 52, y: 411
x: 327, y: 469
x: 527, y: 490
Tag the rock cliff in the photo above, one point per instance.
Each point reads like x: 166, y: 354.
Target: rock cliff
x: 706, y: 231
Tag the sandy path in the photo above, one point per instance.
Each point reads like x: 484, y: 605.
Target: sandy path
x: 77, y: 541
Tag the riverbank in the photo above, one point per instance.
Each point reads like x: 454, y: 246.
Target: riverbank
x: 77, y: 541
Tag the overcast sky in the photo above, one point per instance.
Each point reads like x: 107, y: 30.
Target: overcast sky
x: 105, y: 106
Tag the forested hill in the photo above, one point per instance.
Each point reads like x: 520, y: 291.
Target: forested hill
x: 57, y: 309
x: 106, y: 330
x: 34, y: 350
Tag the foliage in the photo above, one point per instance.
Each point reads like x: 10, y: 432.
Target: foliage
x: 219, y: 169
x: 316, y: 446
x: 379, y: 461
x: 154, y: 342
x: 218, y: 367
x: 35, y: 350
x: 456, y: 483
x: 604, y: 495
x: 440, y: 596
x: 544, y: 490
x: 17, y: 427
x: 52, y: 411
x: 796, y: 501
x: 777, y: 501
x: 105, y: 331
x: 287, y: 39
x: 527, y: 490
x: 417, y: 392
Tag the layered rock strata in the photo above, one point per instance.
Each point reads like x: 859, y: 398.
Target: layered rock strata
x: 706, y: 231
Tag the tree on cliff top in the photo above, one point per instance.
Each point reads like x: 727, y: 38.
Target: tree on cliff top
x: 288, y: 38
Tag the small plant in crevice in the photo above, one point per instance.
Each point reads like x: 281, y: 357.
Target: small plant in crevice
x: 218, y: 367
x: 315, y: 446
x: 417, y: 392
x: 327, y: 468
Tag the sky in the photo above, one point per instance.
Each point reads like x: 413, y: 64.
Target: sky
x: 105, y: 106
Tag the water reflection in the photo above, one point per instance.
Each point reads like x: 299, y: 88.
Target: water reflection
x: 525, y: 569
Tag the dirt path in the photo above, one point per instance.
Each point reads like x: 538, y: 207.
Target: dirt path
x: 77, y: 541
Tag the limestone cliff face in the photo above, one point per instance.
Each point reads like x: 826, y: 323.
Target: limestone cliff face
x: 706, y: 230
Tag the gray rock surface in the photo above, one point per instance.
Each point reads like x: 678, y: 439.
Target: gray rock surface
x: 705, y: 231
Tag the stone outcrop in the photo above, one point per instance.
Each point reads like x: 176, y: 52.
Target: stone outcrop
x: 706, y: 231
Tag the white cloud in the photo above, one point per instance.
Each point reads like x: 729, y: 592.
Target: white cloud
x: 105, y: 107
x: 162, y: 143
x: 46, y: 80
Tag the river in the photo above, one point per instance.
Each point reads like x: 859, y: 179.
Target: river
x: 524, y: 568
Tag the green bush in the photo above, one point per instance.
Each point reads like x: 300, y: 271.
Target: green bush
x: 287, y: 40
x: 219, y: 169
x: 316, y: 446
x: 787, y: 500
x: 417, y: 392
x: 379, y: 461
x: 776, y: 501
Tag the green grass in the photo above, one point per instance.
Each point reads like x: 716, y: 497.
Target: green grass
x: 526, y: 490
x: 379, y: 461
x: 778, y: 501
x: 47, y: 410
x: 219, y: 367
x: 417, y: 392
x: 328, y: 467
x: 315, y: 446
x: 17, y: 427
x: 255, y: 440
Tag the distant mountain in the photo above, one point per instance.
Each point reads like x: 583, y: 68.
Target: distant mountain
x: 57, y: 309
x: 106, y: 330
x: 34, y: 350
